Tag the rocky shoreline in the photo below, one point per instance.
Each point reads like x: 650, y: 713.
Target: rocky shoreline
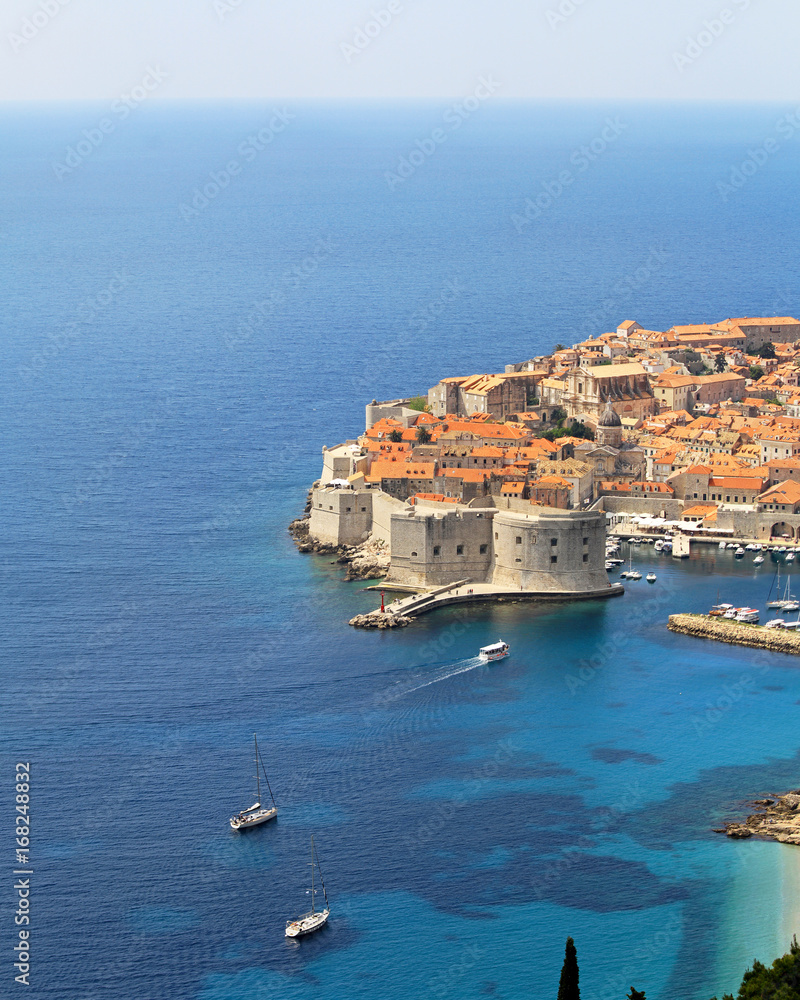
x: 779, y: 820
x: 724, y: 630
x: 368, y: 561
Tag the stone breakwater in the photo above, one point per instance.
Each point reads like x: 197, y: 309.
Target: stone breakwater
x: 779, y: 820
x: 724, y: 630
x: 381, y: 620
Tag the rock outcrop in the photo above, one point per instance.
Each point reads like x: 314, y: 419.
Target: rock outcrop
x: 780, y: 820
x: 368, y: 561
x: 738, y: 633
x: 381, y: 620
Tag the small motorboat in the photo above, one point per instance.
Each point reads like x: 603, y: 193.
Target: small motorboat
x: 659, y: 545
x: 496, y: 651
x: 651, y: 578
x: 776, y: 623
x: 758, y: 560
x: 791, y: 606
x: 722, y: 545
x: 739, y: 552
x: 789, y: 557
x: 749, y: 547
x: 609, y: 565
x: 731, y: 545
x: 634, y: 575
x: 719, y: 610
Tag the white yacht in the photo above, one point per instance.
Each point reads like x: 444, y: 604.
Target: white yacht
x: 256, y: 814
x: 309, y: 922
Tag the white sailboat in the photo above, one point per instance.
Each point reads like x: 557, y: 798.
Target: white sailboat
x: 309, y: 922
x: 256, y: 814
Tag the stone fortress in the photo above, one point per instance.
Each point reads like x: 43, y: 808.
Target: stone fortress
x: 510, y: 545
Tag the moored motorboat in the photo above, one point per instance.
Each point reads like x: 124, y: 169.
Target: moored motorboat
x: 748, y: 616
x: 719, y: 610
x: 758, y: 560
x: 651, y: 578
x: 775, y: 623
x: 739, y: 552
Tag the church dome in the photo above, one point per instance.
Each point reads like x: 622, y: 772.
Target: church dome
x: 609, y: 418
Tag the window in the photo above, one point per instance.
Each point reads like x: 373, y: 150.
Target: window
x: 347, y: 510
x: 727, y: 499
x: 586, y: 541
x: 413, y: 553
x: 517, y: 560
x: 695, y: 496
x: 554, y: 541
x: 495, y: 536
x: 484, y: 549
x: 436, y: 550
x: 553, y: 559
x: 585, y: 557
x: 704, y: 496
x: 519, y: 539
x: 459, y: 550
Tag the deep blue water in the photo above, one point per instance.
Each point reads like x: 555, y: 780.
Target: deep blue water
x: 159, y: 432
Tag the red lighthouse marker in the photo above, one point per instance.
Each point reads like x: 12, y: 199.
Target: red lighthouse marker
x: 382, y: 607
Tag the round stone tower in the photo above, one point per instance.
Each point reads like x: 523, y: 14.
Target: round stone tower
x: 609, y: 428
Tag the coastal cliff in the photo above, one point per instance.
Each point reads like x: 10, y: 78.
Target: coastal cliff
x: 367, y: 561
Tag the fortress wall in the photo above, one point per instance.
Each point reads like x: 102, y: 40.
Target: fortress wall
x: 341, y: 516
x: 431, y: 548
x: 552, y: 550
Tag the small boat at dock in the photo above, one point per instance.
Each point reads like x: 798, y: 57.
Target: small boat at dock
x: 758, y: 560
x: 651, y: 578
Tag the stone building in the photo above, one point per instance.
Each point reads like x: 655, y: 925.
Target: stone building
x: 626, y: 387
x: 533, y: 549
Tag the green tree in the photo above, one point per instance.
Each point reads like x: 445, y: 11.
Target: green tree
x: 756, y: 372
x: 636, y: 995
x: 559, y: 347
x: 781, y: 981
x: 568, y: 984
x: 396, y: 436
x: 766, y: 350
x: 418, y: 403
x: 719, y: 364
x: 423, y: 435
x: 558, y: 416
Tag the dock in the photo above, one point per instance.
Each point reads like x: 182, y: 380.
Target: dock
x: 738, y: 633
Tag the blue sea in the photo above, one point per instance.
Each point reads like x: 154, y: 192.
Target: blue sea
x: 193, y: 304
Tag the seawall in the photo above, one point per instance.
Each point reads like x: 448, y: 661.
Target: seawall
x: 722, y: 630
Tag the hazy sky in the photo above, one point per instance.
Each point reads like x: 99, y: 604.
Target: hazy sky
x: 424, y: 48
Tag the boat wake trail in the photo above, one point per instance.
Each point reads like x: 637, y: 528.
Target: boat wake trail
x: 443, y: 674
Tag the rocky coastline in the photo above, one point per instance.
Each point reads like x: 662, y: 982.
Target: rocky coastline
x: 368, y: 561
x: 779, y: 820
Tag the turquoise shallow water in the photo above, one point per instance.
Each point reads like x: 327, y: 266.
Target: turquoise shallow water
x: 155, y: 613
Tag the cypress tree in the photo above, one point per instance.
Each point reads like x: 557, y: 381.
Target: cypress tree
x: 568, y: 985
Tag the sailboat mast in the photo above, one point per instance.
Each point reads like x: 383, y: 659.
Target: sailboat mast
x: 258, y: 776
x: 312, y: 874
